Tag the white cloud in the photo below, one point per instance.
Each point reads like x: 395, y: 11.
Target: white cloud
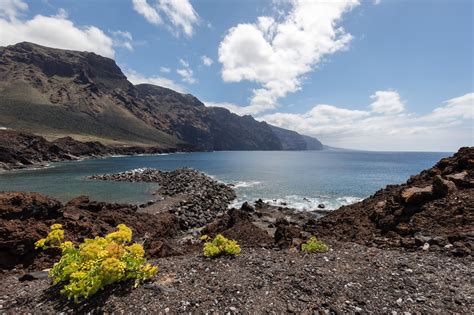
x: 137, y: 78
x: 184, y: 63
x: 165, y: 70
x: 239, y: 110
x: 149, y: 12
x: 277, y: 53
x: 447, y: 127
x: 180, y: 13
x: 207, y: 61
x: 186, y: 73
x: 455, y: 108
x: 377, y: 2
x: 11, y: 9
x: 56, y: 31
x: 387, y: 102
x: 123, y: 39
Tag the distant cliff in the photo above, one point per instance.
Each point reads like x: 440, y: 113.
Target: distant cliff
x: 291, y: 140
x: 57, y: 93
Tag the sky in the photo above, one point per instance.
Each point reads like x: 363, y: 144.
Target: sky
x: 387, y: 75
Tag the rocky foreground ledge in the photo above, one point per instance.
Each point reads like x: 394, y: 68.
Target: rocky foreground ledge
x: 386, y: 252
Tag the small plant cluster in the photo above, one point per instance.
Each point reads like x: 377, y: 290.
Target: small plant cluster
x: 219, y: 246
x: 313, y: 245
x: 96, y: 262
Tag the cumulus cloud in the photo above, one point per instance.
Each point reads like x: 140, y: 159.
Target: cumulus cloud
x: 458, y: 107
x: 447, y: 127
x: 179, y: 13
x: 11, y: 9
x: 276, y: 53
x: 207, y: 61
x: 56, y: 31
x: 137, y: 78
x: 186, y: 73
x: 387, y: 102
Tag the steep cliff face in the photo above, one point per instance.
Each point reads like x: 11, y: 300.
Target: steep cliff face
x: 291, y: 140
x: 57, y: 93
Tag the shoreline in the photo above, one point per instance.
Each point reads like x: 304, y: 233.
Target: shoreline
x: 72, y: 159
x: 23, y: 150
x: 406, y: 248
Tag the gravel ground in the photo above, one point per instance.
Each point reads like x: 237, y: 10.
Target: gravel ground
x: 350, y: 278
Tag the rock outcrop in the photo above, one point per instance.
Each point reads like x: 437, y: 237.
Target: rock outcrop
x: 26, y: 217
x: 435, y: 208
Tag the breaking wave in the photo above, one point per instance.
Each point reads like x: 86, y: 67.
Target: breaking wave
x: 303, y: 203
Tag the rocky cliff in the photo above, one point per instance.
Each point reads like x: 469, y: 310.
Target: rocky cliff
x: 433, y: 210
x: 291, y: 140
x: 57, y: 93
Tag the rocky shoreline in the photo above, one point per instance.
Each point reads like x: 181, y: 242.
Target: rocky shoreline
x: 195, y: 198
x: 407, y: 248
x: 19, y: 150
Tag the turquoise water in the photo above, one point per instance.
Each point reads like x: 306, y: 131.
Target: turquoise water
x: 302, y: 179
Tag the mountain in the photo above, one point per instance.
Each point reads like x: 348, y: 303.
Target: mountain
x: 291, y: 140
x: 56, y: 93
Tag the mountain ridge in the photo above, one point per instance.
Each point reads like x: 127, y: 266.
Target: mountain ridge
x: 56, y: 93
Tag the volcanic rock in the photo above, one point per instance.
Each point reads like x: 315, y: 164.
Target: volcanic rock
x: 26, y: 217
x: 196, y: 199
x: 434, y: 207
x: 416, y: 195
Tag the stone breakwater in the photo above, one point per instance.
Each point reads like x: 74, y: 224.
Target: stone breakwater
x: 194, y: 197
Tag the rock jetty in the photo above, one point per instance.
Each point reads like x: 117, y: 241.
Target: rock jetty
x: 196, y: 198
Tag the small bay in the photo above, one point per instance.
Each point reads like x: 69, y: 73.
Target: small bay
x: 300, y: 179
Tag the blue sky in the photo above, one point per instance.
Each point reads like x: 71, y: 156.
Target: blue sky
x: 378, y: 75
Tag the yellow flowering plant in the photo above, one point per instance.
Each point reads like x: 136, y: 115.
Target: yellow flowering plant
x: 313, y: 245
x: 97, y: 262
x: 219, y: 246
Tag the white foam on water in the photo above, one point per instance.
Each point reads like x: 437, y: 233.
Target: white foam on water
x: 243, y: 184
x: 303, y: 203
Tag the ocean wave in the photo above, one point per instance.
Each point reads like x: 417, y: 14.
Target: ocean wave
x: 244, y: 184
x: 303, y: 203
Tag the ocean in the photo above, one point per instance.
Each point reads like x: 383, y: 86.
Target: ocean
x: 299, y: 179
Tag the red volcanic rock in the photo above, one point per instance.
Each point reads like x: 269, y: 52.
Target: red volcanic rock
x: 26, y: 217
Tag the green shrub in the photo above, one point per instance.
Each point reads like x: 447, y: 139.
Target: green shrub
x: 313, y: 245
x: 220, y: 246
x: 97, y: 262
